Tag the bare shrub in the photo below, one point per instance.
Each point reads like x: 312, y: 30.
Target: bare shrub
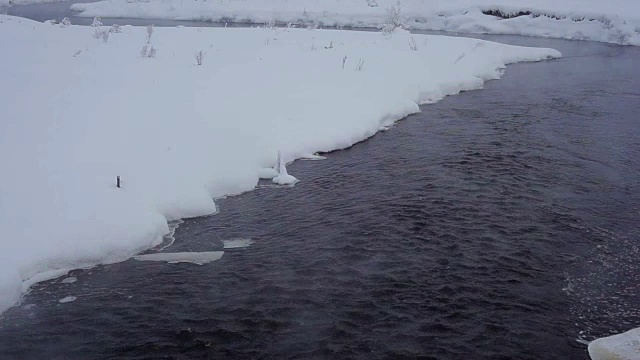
x: 344, y: 61
x: 78, y: 52
x: 413, y: 45
x: 149, y: 33
x: 360, y: 65
x: 200, y: 57
x: 148, y: 51
x: 101, y: 34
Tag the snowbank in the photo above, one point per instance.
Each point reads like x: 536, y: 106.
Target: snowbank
x: 625, y: 346
x: 614, y: 21
x: 77, y: 111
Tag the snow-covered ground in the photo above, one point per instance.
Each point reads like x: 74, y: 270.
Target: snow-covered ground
x: 77, y: 111
x: 613, y: 21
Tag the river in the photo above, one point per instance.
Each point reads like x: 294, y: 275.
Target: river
x: 496, y: 224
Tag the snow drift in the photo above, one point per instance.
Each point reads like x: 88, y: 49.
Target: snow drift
x: 79, y: 108
x: 615, y: 21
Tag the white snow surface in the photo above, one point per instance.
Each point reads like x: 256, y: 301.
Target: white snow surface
x: 613, y: 21
x: 198, y: 258
x: 77, y: 112
x: 625, y: 346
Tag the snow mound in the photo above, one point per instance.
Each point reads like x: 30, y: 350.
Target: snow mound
x: 198, y: 258
x: 178, y: 134
x: 625, y: 346
x: 614, y: 21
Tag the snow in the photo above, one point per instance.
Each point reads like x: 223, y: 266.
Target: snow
x: 67, y: 299
x: 237, y: 243
x: 625, y: 346
x: 69, y: 280
x: 614, y: 21
x: 77, y: 112
x: 198, y: 258
x: 283, y: 178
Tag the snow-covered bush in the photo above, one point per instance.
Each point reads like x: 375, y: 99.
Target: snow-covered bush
x: 96, y: 22
x: 393, y: 19
x: 270, y: 25
x: 200, y: 57
x: 65, y: 22
x: 116, y: 29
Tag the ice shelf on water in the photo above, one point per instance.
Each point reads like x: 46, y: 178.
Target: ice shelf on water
x: 613, y: 21
x: 237, y: 243
x: 179, y: 134
x: 198, y: 258
x: 67, y: 299
x: 625, y: 346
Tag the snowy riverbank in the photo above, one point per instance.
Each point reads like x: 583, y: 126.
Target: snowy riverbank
x: 616, y: 21
x: 79, y: 110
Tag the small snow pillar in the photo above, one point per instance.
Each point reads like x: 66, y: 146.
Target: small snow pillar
x: 283, y: 177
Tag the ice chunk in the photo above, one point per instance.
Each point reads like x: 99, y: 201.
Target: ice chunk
x: 237, y: 243
x: 198, y: 258
x: 69, y: 280
x: 67, y: 299
x: 625, y: 346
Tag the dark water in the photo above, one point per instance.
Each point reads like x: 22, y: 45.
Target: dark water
x: 497, y: 224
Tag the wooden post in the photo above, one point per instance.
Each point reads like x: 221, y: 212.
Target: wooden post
x: 118, y: 181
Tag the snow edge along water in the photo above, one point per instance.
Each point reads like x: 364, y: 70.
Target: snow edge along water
x: 60, y: 212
